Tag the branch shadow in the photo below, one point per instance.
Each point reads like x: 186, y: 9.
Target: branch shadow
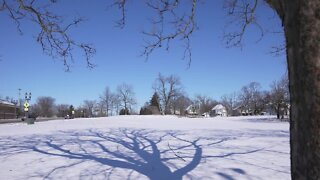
x: 265, y: 120
x: 157, y: 155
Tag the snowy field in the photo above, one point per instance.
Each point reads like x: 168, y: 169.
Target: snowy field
x: 146, y: 147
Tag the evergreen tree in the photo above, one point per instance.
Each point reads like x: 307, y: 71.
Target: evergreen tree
x: 155, y: 101
x: 142, y: 111
x: 124, y: 112
x: 145, y: 111
x: 71, y: 112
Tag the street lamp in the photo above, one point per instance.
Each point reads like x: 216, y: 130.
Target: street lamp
x: 27, y: 98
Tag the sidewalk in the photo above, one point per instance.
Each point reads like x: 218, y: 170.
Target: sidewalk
x: 5, y: 121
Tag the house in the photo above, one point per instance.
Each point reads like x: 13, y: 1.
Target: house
x: 8, y: 110
x: 192, y: 110
x: 218, y: 110
x: 242, y: 111
x: 237, y: 111
x: 206, y: 114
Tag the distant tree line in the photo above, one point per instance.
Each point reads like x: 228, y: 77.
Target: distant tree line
x: 109, y: 103
x: 169, y: 97
x: 250, y: 100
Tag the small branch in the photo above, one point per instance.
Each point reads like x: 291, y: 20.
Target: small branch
x: 278, y: 50
x: 121, y: 4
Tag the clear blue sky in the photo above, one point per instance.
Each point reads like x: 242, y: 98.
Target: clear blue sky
x: 215, y: 69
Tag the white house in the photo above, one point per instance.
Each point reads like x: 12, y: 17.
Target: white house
x: 218, y: 110
x: 192, y: 110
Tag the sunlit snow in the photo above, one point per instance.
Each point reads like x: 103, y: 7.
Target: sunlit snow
x: 146, y: 147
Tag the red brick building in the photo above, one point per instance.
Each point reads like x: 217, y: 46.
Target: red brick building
x: 8, y: 110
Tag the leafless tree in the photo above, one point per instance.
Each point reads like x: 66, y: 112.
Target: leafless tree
x: 167, y: 88
x: 89, y: 106
x: 100, y: 109
x: 115, y: 104
x: 205, y: 103
x: 251, y: 97
x: 230, y: 102
x: 279, y: 96
x: 62, y: 110
x: 126, y: 96
x: 81, y: 111
x: 53, y: 35
x: 44, y: 106
x: 181, y: 103
x: 108, y: 99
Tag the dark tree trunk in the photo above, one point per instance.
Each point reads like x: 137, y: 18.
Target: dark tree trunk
x: 302, y: 29
x: 277, y: 109
x: 125, y: 109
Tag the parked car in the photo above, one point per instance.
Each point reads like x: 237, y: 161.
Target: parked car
x: 69, y: 117
x: 31, y: 115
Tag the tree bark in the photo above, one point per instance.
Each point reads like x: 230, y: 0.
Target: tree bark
x: 302, y: 29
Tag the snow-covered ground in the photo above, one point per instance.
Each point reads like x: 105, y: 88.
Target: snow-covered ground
x: 146, y: 147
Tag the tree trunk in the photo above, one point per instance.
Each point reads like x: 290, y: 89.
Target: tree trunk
x: 107, y: 110
x: 278, y: 111
x: 302, y: 30
x: 125, y: 108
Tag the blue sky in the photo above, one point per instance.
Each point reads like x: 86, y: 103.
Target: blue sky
x: 215, y: 70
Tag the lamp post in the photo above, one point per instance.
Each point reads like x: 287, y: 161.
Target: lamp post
x: 27, y: 98
x: 19, y: 101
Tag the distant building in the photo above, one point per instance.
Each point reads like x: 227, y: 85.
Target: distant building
x: 218, y: 110
x: 246, y: 111
x: 237, y: 111
x: 242, y: 111
x: 206, y: 114
x: 193, y: 110
x: 8, y: 110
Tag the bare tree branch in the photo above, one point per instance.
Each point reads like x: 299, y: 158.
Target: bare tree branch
x: 121, y: 4
x: 183, y: 26
x: 168, y: 24
x: 278, y: 50
x: 53, y: 37
x: 173, y: 22
x: 242, y: 14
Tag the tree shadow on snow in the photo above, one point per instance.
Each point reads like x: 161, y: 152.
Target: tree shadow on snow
x: 266, y: 120
x: 158, y: 155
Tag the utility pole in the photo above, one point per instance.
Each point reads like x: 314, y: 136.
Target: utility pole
x: 20, y: 104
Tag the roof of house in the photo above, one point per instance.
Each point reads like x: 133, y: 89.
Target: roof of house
x: 6, y: 102
x: 218, y: 107
x: 191, y: 107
